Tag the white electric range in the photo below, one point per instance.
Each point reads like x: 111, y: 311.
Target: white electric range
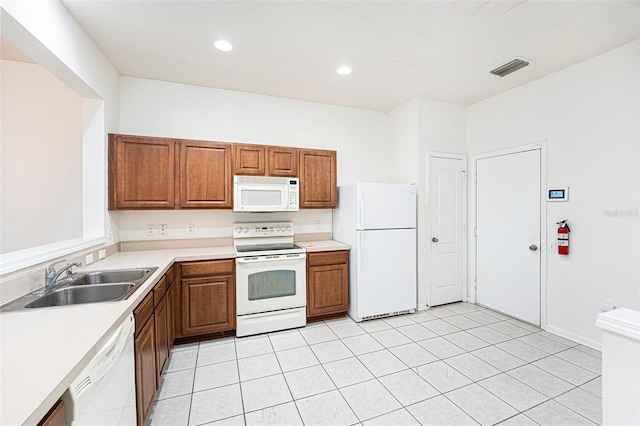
x: 271, y: 278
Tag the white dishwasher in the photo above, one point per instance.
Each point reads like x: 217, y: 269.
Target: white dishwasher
x: 104, y: 392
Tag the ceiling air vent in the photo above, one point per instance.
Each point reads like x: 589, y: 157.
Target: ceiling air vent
x: 510, y: 67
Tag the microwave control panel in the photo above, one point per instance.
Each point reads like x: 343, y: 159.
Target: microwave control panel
x: 293, y: 194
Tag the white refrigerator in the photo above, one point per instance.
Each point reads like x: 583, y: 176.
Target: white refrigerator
x: 378, y: 221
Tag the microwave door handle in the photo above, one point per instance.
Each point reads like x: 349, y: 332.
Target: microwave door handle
x: 285, y: 202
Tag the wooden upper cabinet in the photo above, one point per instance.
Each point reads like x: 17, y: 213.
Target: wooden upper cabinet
x: 282, y: 161
x: 204, y: 175
x: 141, y: 172
x: 248, y: 159
x: 318, y: 171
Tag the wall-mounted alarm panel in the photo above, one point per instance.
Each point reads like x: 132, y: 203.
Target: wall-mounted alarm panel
x: 558, y: 194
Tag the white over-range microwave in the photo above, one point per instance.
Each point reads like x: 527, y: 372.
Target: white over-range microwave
x: 265, y: 194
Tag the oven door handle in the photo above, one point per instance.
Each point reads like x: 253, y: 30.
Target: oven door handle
x: 300, y: 256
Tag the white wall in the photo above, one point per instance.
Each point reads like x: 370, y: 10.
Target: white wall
x: 418, y: 127
x: 156, y: 108
x: 45, y: 31
x: 404, y: 143
x: 40, y: 158
x: 589, y: 116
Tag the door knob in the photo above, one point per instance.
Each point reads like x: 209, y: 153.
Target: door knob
x: 533, y: 247
x: 434, y: 239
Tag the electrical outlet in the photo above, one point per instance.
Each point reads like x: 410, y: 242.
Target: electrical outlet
x: 191, y: 229
x: 102, y: 254
x: 163, y: 229
x: 317, y: 223
x: 151, y: 230
x: 88, y: 259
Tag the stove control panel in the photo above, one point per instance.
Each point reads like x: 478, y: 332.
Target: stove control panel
x: 262, y: 229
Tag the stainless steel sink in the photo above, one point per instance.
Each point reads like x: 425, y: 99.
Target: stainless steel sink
x: 85, y: 294
x: 115, y: 276
x: 85, y: 287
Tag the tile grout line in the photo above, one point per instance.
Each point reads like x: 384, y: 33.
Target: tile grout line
x: 397, y: 327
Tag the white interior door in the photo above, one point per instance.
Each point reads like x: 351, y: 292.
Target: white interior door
x: 446, y: 209
x: 508, y: 197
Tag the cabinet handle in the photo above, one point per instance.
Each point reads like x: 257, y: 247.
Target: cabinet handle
x: 435, y: 240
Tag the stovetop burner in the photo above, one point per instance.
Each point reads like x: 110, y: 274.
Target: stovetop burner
x: 264, y: 239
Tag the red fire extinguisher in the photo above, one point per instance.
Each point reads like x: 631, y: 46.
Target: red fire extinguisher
x: 563, y: 237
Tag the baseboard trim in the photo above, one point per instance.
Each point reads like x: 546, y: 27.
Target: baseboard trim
x: 572, y: 336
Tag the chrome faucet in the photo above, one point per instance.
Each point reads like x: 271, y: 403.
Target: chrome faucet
x: 51, y: 275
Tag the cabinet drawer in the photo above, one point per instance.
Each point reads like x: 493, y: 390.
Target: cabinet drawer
x: 143, y: 312
x: 208, y: 268
x: 159, y: 290
x: 327, y: 258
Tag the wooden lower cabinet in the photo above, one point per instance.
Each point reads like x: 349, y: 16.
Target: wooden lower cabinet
x: 207, y: 298
x: 171, y: 300
x: 161, y: 323
x: 152, y: 344
x: 55, y: 416
x: 327, y: 284
x: 146, y: 374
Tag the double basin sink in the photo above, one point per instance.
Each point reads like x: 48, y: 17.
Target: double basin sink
x: 85, y: 287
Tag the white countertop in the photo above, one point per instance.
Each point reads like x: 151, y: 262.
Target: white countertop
x: 43, y: 350
x: 326, y: 245
x: 622, y: 321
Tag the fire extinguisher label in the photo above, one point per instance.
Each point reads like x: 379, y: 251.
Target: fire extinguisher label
x: 563, y: 242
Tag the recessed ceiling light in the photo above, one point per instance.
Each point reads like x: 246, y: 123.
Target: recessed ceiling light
x: 223, y: 45
x: 344, y: 70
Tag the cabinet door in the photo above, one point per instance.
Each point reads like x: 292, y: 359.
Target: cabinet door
x: 282, y: 161
x: 208, y: 305
x: 145, y: 353
x: 204, y: 170
x: 55, y: 416
x: 161, y: 320
x: 171, y: 330
x: 327, y: 283
x: 318, y: 179
x: 141, y: 173
x: 248, y: 159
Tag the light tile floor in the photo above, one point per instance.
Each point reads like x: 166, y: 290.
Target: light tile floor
x: 456, y: 364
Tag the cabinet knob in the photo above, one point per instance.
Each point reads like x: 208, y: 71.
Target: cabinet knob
x: 435, y: 240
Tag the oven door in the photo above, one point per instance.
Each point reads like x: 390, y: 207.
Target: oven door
x: 270, y: 283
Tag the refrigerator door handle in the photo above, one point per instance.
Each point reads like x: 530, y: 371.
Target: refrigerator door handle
x: 360, y: 225
x: 360, y: 251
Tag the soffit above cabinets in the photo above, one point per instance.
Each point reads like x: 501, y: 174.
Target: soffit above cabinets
x: 398, y: 50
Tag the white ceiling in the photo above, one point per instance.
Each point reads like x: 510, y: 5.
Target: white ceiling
x: 398, y: 50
